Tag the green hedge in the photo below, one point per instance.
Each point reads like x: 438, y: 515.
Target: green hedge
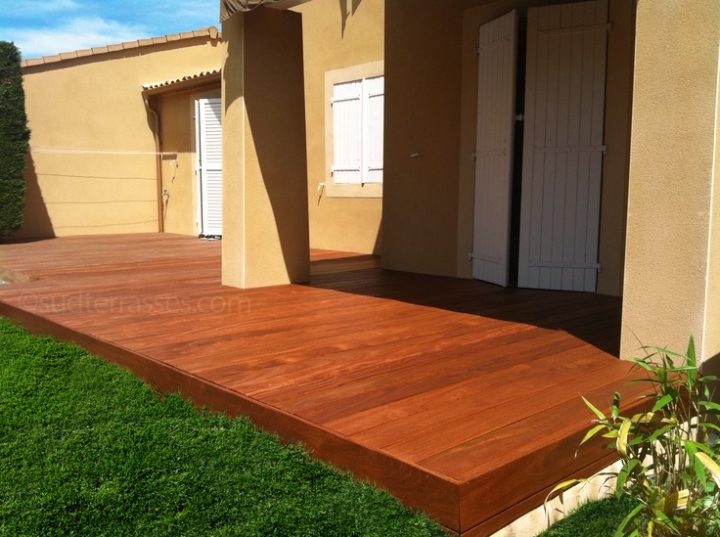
x: 14, y: 136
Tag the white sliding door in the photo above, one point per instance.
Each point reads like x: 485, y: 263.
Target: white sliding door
x: 208, y: 118
x: 563, y: 146
x: 497, y: 59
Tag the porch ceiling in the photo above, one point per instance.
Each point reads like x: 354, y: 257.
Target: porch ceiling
x: 229, y: 7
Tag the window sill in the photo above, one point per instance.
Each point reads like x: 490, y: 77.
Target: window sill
x: 367, y: 190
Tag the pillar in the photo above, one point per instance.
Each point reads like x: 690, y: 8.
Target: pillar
x: 672, y: 266
x: 265, y: 235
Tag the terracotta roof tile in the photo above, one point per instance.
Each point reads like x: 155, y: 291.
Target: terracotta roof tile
x: 36, y: 61
x: 201, y: 76
x: 210, y: 32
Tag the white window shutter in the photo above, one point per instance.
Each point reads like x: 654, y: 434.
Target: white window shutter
x: 373, y: 112
x: 347, y: 132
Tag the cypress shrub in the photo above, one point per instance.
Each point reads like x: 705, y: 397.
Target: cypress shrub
x: 14, y: 136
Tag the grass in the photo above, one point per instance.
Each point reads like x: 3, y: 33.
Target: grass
x: 87, y: 449
x: 594, y: 519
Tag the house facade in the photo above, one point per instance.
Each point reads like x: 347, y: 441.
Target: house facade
x: 546, y: 144
x: 112, y: 131
x: 531, y: 143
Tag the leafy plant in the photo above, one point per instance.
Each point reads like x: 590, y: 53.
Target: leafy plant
x: 669, y: 454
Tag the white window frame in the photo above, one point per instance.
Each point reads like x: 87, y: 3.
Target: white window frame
x: 332, y: 78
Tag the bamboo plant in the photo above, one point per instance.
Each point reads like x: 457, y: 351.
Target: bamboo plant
x: 669, y: 455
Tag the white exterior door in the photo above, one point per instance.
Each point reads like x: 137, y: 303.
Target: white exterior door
x: 497, y: 59
x: 208, y: 119
x: 563, y: 146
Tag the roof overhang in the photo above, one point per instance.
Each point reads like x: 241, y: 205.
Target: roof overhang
x: 183, y: 83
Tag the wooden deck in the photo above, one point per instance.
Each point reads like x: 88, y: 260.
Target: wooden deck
x: 461, y: 398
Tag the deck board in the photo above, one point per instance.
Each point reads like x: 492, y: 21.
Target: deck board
x: 461, y: 398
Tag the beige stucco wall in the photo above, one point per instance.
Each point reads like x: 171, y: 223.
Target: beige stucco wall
x: 423, y: 50
x: 93, y: 107
x: 673, y: 254
x: 431, y: 110
x: 337, y: 35
x: 177, y: 127
x: 265, y: 237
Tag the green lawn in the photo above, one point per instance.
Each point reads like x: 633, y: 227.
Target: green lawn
x: 595, y: 519
x: 87, y: 449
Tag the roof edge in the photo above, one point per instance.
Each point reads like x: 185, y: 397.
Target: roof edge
x: 209, y: 31
x: 182, y: 83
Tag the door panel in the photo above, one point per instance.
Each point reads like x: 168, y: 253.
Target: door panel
x: 208, y: 114
x: 497, y: 58
x: 563, y: 146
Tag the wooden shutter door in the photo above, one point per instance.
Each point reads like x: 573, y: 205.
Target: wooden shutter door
x: 209, y: 120
x: 563, y: 148
x: 497, y: 58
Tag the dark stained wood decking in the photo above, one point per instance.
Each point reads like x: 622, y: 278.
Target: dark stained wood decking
x: 461, y: 398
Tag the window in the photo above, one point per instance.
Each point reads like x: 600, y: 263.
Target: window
x: 358, y: 131
x: 355, y: 99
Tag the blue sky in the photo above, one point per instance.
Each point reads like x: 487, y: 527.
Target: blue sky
x: 43, y: 27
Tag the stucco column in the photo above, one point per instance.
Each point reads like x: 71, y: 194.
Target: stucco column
x: 672, y: 267
x: 265, y: 235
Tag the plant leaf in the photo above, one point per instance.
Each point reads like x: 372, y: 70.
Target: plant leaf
x: 620, y: 531
x: 622, y: 439
x: 623, y: 475
x: 665, y: 521
x: 710, y: 405
x: 699, y: 446
x: 594, y: 409
x: 646, y: 366
x: 707, y: 425
x: 662, y: 402
x: 643, y: 418
x: 562, y: 487
x: 660, y: 432
x: 691, y: 356
x: 592, y: 432
x: 616, y: 405
x: 712, y: 466
x: 692, y: 449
